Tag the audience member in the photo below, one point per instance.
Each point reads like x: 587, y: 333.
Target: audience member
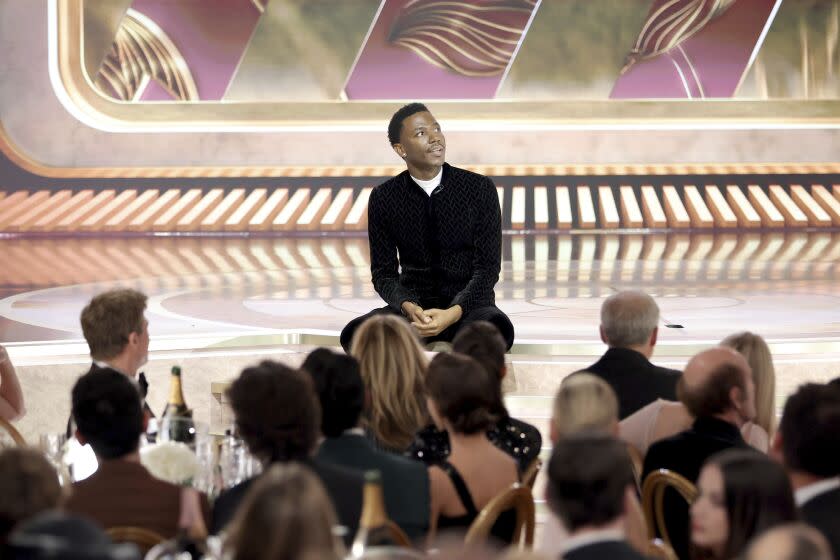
x: 342, y: 394
x: 28, y: 486
x: 286, y: 515
x: 56, y: 535
x: 629, y: 326
x: 117, y: 333
x: 107, y: 410
x: 11, y: 395
x: 740, y: 494
x: 483, y: 342
x: 718, y: 391
x: 808, y: 444
x: 278, y: 416
x: 585, y: 404
x: 661, y: 419
x: 590, y: 488
x: 792, y: 541
x: 462, y: 397
x: 392, y: 365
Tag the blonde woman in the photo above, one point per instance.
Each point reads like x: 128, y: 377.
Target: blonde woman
x: 662, y: 419
x: 285, y: 516
x: 585, y: 403
x: 393, y: 366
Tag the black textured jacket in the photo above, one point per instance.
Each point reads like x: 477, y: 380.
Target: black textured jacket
x: 449, y: 244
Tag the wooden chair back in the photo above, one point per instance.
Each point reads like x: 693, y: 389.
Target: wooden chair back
x: 529, y: 477
x: 517, y: 497
x: 6, y: 426
x: 659, y: 550
x: 145, y: 539
x: 653, y: 494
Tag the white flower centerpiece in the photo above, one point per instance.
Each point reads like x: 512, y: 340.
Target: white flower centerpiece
x: 171, y: 461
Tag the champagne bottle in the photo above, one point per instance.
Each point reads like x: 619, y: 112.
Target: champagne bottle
x: 176, y: 421
x: 373, y: 525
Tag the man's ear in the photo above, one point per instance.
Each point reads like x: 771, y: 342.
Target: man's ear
x: 736, y: 398
x: 603, y: 335
x: 503, y: 371
x: 133, y: 338
x: 80, y: 437
x: 653, y: 337
x: 553, y: 432
x: 398, y: 149
x: 776, y: 451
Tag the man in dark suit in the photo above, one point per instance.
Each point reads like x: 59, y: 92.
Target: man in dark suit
x: 590, y: 488
x: 278, y: 416
x: 340, y: 388
x: 717, y: 389
x: 792, y: 541
x: 108, y: 414
x: 808, y: 444
x: 117, y: 333
x: 629, y: 326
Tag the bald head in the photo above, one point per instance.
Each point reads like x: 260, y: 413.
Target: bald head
x: 718, y: 382
x: 795, y: 541
x: 628, y: 319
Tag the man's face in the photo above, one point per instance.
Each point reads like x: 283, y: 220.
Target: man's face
x: 421, y: 144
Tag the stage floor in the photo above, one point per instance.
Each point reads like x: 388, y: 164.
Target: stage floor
x: 234, y: 291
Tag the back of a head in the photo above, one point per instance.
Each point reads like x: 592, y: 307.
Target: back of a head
x: 588, y: 477
x: 464, y: 393
x: 60, y: 535
x: 792, y: 541
x: 28, y: 486
x: 108, y: 411
x: 340, y: 389
x: 758, y: 495
x: 286, y: 515
x: 810, y: 430
x: 393, y: 366
x: 110, y: 318
x: 757, y: 354
x: 705, y: 387
x: 584, y: 402
x: 483, y: 342
x: 628, y: 318
x: 277, y: 412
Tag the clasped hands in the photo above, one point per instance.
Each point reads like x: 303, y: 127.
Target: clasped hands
x: 431, y: 322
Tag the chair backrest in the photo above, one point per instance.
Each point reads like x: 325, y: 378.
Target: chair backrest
x: 518, y: 497
x: 145, y: 539
x: 637, y: 463
x: 6, y: 426
x: 530, y: 474
x: 660, y: 550
x: 653, y: 493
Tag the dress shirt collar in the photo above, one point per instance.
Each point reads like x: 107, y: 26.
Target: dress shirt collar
x: 106, y: 365
x: 591, y: 537
x: 807, y: 493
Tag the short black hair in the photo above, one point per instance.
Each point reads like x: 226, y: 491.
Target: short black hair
x: 108, y: 410
x: 395, y: 126
x: 340, y: 389
x: 276, y: 410
x: 810, y: 429
x: 588, y: 476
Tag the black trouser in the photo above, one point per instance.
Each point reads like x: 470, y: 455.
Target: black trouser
x: 489, y: 313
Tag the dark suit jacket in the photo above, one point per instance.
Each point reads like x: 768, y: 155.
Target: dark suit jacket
x: 823, y: 512
x: 343, y: 486
x: 635, y: 380
x: 605, y: 550
x: 124, y: 493
x: 405, y: 483
x: 685, y: 454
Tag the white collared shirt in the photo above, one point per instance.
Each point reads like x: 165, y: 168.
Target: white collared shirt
x: 811, y: 491
x: 591, y: 537
x: 106, y: 365
x: 431, y: 184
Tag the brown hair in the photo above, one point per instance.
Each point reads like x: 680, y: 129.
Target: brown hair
x: 393, y: 366
x: 712, y: 397
x: 286, y: 515
x: 463, y: 392
x: 109, y: 319
x: 28, y: 486
x: 277, y: 412
x: 757, y: 353
x: 483, y: 342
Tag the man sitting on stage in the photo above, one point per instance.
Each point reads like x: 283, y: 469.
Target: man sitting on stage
x: 435, y: 237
